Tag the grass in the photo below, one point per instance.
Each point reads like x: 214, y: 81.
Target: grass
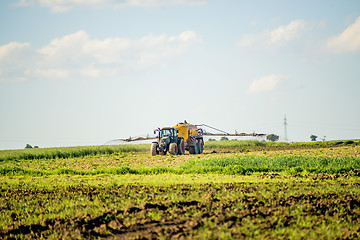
x: 235, y: 190
x: 285, y: 164
x: 68, y: 152
x: 191, y: 206
x: 331, y: 158
x: 235, y: 144
x: 76, y: 152
x: 238, y: 165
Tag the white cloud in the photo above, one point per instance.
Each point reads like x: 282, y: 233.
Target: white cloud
x: 347, y: 41
x: 59, y: 6
x: 265, y: 84
x: 274, y: 38
x: 286, y: 33
x: 14, y: 58
x: 79, y: 55
x: 9, y: 49
x: 68, y: 49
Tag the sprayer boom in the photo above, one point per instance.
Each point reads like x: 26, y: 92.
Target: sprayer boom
x: 190, y: 132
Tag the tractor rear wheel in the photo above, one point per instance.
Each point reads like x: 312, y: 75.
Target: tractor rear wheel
x: 153, y: 149
x: 173, y: 149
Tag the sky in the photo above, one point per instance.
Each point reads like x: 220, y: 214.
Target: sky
x: 76, y: 73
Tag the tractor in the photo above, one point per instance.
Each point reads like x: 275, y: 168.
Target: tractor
x: 168, y: 141
x: 183, y: 136
x: 177, y: 139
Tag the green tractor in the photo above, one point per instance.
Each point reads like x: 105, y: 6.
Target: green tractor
x: 168, y: 141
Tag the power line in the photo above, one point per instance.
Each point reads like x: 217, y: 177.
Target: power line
x: 325, y: 127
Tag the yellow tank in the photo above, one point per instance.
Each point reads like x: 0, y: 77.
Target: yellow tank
x: 185, y: 129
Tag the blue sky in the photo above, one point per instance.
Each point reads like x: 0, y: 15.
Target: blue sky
x: 85, y: 72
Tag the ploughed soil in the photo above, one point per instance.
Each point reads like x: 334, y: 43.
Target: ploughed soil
x: 281, y: 207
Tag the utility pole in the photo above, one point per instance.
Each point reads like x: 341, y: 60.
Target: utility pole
x: 285, y: 131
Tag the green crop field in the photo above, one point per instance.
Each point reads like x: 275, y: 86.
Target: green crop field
x: 235, y: 190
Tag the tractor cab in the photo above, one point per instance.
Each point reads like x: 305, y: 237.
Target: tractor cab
x: 168, y: 141
x: 168, y: 132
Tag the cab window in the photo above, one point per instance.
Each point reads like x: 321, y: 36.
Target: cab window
x: 165, y: 133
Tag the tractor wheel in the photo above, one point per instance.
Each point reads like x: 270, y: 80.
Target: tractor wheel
x: 173, y: 149
x: 153, y: 149
x: 181, y: 147
x: 197, y: 147
x: 192, y: 150
x: 201, y: 146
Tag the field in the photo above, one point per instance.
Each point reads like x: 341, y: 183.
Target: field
x: 235, y: 190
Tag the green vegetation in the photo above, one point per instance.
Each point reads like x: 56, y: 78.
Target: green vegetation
x: 235, y: 190
x: 255, y: 143
x: 68, y: 152
x: 75, y: 152
x: 238, y: 165
x: 194, y: 206
x: 313, y: 138
x: 272, y: 137
x: 284, y: 164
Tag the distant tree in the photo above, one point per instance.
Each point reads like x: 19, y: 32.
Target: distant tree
x: 272, y: 137
x: 211, y: 140
x: 36, y: 146
x: 28, y: 146
x: 313, y: 138
x: 324, y: 138
x: 349, y: 142
x: 224, y: 139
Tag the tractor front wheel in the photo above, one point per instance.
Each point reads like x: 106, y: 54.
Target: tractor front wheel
x: 153, y: 149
